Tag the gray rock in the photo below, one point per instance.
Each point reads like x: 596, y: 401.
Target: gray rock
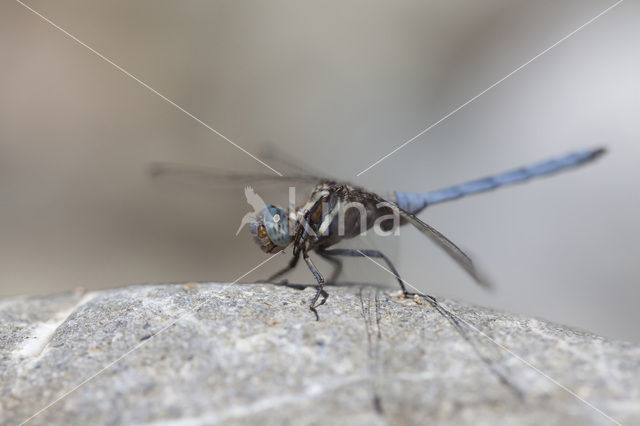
x: 245, y: 354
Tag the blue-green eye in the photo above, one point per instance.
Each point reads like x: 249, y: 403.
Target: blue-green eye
x: 276, y: 223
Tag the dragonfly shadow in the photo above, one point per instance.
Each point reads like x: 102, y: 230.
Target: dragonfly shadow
x: 347, y: 284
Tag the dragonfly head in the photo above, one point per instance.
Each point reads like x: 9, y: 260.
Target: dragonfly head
x: 271, y: 229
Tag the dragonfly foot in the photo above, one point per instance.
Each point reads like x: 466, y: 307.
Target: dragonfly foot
x: 315, y: 298
x: 313, y: 309
x: 417, y: 297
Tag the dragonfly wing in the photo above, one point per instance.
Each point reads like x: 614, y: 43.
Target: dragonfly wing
x: 287, y: 163
x: 434, y: 235
x: 205, y: 175
x: 447, y: 245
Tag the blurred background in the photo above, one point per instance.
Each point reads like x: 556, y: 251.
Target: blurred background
x: 335, y: 85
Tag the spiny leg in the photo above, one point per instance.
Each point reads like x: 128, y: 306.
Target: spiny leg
x: 337, y: 265
x: 370, y: 253
x: 320, y: 291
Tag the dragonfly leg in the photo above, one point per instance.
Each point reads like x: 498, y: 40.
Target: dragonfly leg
x: 320, y: 291
x: 337, y: 265
x: 370, y: 253
x: 292, y: 264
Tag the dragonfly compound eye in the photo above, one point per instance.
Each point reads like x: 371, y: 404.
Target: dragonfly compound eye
x: 271, y: 229
x: 276, y: 223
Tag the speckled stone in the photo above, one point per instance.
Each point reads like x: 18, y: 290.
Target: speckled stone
x: 245, y: 354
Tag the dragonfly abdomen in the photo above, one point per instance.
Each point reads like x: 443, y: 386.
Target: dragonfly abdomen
x: 414, y: 202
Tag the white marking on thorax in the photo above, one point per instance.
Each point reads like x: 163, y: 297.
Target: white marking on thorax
x: 326, y: 221
x: 304, y: 209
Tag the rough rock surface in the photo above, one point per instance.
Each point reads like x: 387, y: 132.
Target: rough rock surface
x: 245, y: 354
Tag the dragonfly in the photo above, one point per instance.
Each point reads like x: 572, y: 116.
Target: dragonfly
x: 336, y: 211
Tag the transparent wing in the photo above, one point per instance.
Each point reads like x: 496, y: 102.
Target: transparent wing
x: 443, y: 242
x: 200, y: 175
x: 287, y: 163
x: 447, y: 245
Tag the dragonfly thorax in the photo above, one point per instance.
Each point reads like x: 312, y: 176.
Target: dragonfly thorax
x: 271, y: 229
